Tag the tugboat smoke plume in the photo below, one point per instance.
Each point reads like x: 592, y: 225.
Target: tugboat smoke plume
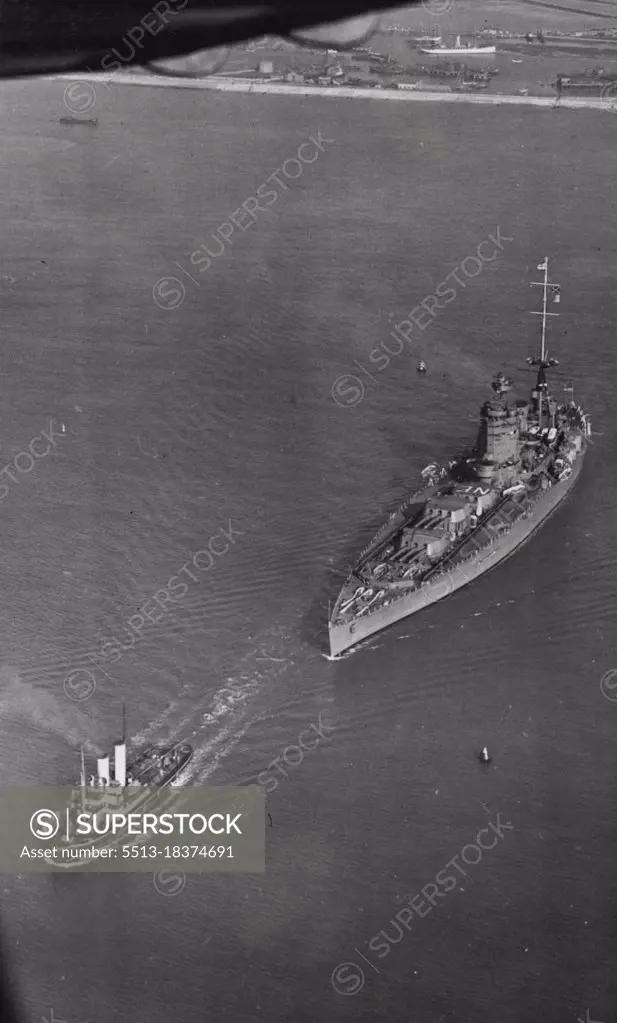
x: 43, y: 710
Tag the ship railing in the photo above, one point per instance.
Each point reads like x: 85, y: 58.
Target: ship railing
x: 464, y: 539
x: 440, y: 571
x: 451, y: 569
x: 399, y: 511
x: 172, y: 751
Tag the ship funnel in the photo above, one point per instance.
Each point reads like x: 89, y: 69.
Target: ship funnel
x: 120, y: 763
x: 102, y: 769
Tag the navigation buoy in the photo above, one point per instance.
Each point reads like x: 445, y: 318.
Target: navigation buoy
x: 484, y: 756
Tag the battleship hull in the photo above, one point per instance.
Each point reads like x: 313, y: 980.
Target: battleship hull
x: 348, y: 634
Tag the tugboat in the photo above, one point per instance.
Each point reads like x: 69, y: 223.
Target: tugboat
x: 463, y: 521
x: 130, y: 789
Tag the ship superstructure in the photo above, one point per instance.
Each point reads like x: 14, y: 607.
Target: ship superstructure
x: 473, y: 513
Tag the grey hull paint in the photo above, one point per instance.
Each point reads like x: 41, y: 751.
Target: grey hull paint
x: 342, y: 637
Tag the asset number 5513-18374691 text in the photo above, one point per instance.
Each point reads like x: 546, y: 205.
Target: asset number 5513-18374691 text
x: 177, y: 852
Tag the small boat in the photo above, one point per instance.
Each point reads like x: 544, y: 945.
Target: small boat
x: 92, y: 121
x: 484, y: 757
x: 421, y: 367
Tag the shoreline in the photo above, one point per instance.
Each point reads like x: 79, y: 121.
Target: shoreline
x: 245, y: 85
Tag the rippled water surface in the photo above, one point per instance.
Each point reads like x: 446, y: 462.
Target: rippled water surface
x: 181, y: 422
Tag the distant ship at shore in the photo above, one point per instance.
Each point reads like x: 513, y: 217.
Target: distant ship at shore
x: 468, y: 49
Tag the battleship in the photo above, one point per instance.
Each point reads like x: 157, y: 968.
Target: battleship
x: 470, y: 515
x: 127, y: 788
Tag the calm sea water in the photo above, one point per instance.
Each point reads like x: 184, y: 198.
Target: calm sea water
x: 181, y: 420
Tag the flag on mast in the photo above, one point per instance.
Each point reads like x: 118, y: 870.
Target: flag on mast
x: 542, y: 266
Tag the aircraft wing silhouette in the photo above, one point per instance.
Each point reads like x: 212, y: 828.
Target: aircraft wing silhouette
x: 52, y: 36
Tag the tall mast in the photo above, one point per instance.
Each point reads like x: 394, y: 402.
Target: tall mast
x: 544, y: 363
x: 555, y: 288
x: 545, y: 289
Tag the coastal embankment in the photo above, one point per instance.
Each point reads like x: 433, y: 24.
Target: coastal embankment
x: 220, y: 84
